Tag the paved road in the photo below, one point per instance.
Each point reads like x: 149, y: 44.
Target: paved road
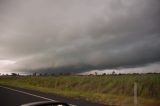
x: 11, y: 96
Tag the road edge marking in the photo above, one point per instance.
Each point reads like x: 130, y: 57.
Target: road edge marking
x: 32, y: 94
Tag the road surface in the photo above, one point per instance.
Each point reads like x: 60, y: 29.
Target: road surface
x: 12, y: 96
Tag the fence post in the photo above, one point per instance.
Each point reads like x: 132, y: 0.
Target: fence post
x: 135, y: 94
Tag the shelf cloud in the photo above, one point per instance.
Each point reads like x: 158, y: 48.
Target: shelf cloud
x: 79, y: 36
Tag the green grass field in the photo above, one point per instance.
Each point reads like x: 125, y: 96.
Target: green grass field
x: 108, y: 89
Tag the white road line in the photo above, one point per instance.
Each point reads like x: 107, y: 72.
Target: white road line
x: 28, y: 94
x: 32, y: 94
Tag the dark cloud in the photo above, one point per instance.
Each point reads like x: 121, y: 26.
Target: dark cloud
x: 79, y: 36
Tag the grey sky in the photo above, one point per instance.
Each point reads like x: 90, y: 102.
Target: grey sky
x: 78, y: 35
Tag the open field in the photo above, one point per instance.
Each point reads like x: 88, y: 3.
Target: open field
x: 108, y: 89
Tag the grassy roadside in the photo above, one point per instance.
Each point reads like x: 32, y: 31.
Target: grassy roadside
x: 113, y: 90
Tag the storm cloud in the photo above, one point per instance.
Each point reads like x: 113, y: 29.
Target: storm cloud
x: 78, y: 36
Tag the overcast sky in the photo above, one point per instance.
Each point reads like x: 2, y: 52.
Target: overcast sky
x: 79, y: 35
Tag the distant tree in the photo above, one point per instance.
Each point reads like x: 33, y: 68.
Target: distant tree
x: 68, y: 73
x: 52, y: 74
x: 14, y: 74
x: 120, y: 74
x: 113, y: 72
x: 34, y: 74
x: 45, y: 74
x: 104, y: 74
x: 61, y: 73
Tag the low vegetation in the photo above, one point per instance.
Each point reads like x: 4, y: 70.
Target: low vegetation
x: 107, y: 89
